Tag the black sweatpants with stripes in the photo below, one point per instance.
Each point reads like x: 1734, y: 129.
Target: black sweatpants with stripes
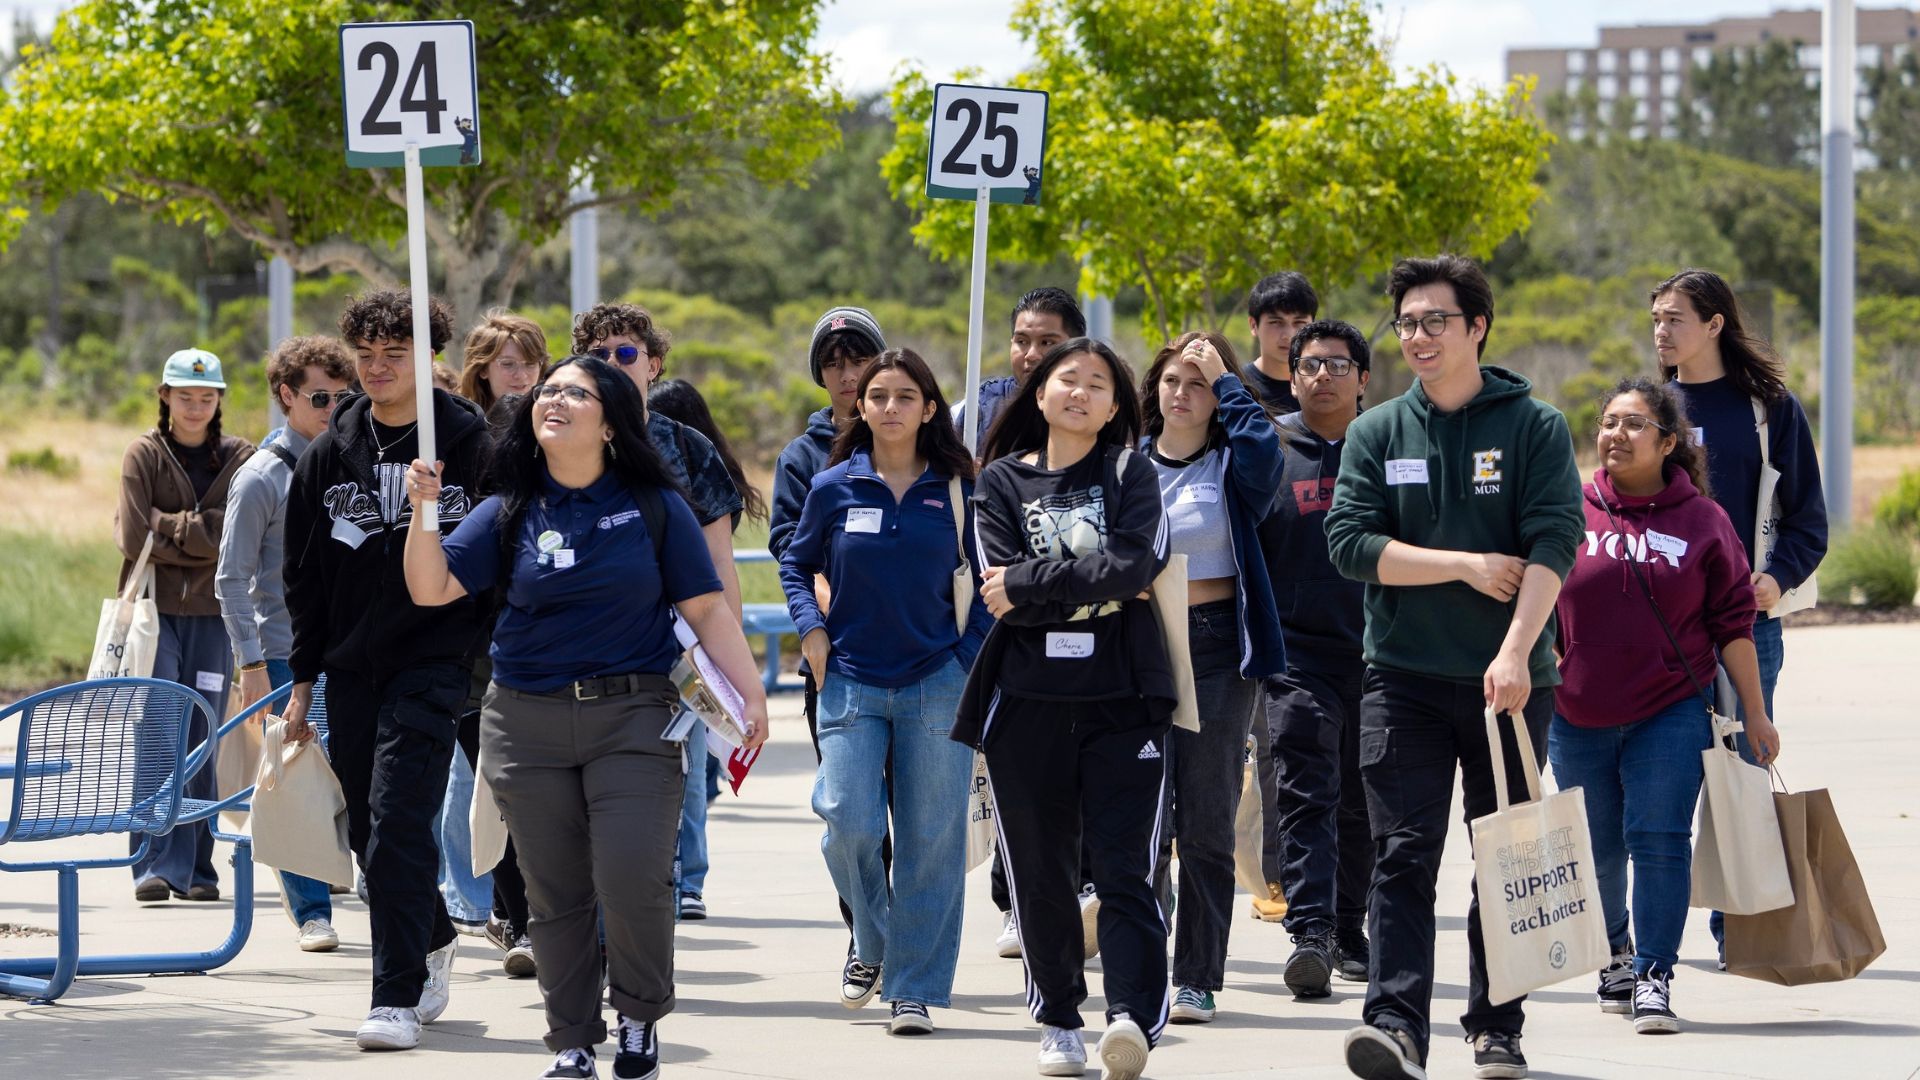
x: 1058, y: 770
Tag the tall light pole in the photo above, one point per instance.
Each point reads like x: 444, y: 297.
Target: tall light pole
x: 279, y: 321
x: 585, y: 279
x: 1836, y: 261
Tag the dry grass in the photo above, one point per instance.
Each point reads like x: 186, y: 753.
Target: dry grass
x: 79, y: 508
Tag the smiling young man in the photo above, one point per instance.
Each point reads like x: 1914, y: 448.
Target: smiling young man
x: 1043, y: 318
x: 1459, y: 507
x: 1278, y: 307
x: 396, y: 672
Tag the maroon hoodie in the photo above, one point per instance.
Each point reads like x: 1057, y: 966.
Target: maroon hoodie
x: 1616, y: 665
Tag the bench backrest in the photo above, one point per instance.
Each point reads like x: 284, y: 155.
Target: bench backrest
x: 102, y: 756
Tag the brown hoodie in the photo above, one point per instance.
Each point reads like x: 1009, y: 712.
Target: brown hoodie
x: 187, y: 545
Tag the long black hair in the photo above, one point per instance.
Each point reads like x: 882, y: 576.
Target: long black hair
x: 1751, y: 363
x: 677, y: 399
x: 936, y: 441
x: 520, y: 468
x: 1021, y: 426
x: 1687, y: 453
x: 213, y: 430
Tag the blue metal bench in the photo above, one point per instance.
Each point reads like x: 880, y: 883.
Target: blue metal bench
x: 106, y: 757
x: 769, y: 621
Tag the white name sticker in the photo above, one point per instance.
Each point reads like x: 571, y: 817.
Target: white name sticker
x: 211, y: 681
x: 563, y: 558
x: 1406, y: 470
x: 863, y: 519
x: 1699, y: 435
x: 1069, y: 646
x: 1199, y: 493
x: 1667, y: 545
x: 348, y: 533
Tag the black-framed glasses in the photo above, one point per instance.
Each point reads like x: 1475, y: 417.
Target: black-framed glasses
x: 1433, y: 322
x: 575, y: 395
x: 320, y: 399
x: 1337, y: 366
x: 1633, y: 422
x: 624, y: 355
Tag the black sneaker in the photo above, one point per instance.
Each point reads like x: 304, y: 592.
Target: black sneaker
x: 693, y: 907
x: 1351, y: 955
x: 576, y: 1064
x: 1616, y: 983
x: 1311, y: 966
x: 1653, y: 1004
x: 1377, y: 1053
x: 639, y: 1054
x: 1497, y: 1056
x: 858, y: 981
x: 519, y: 962
x: 910, y: 1018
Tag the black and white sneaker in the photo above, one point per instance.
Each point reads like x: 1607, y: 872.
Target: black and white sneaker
x: 575, y: 1064
x: 693, y: 907
x: 1310, y: 968
x: 858, y: 981
x: 910, y: 1018
x: 1351, y: 955
x: 1653, y: 1004
x: 1497, y: 1056
x: 1616, y: 983
x: 1377, y: 1053
x: 639, y: 1055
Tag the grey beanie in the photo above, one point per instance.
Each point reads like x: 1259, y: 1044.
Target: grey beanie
x: 858, y: 320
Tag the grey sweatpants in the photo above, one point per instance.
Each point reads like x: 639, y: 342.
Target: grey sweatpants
x: 592, y: 799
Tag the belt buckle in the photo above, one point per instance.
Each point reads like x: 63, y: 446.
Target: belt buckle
x: 578, y: 696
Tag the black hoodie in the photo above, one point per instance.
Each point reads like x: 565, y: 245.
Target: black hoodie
x: 1321, y: 612
x: 346, y: 533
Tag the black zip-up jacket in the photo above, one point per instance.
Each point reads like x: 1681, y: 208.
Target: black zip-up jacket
x: 346, y: 536
x: 1322, y: 614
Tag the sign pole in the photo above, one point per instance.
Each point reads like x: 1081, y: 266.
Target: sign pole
x: 976, y: 310
x: 422, y: 320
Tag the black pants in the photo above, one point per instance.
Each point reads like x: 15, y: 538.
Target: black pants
x: 391, y: 743
x: 1413, y: 730
x: 1058, y: 770
x: 1326, y: 849
x: 810, y: 705
x: 509, y: 888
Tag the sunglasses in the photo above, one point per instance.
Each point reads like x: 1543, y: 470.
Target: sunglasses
x: 626, y: 355
x: 320, y: 399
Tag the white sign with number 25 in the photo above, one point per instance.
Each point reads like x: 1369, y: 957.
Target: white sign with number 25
x: 985, y: 136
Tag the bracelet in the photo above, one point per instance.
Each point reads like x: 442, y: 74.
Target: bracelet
x: 257, y: 665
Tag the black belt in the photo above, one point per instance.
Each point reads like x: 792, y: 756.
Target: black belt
x: 609, y: 686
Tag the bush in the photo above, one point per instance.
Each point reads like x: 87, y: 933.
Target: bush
x: 1875, y: 563
x: 1899, y: 509
x: 44, y: 460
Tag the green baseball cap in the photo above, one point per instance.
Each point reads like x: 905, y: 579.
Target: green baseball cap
x: 193, y: 367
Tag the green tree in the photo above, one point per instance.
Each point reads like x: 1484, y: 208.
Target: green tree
x: 1193, y: 147
x: 226, y: 112
x: 1755, y: 103
x: 1891, y: 129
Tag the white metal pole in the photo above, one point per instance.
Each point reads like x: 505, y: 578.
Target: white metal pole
x: 429, y: 516
x: 1837, y: 262
x: 585, y: 278
x: 976, y: 311
x: 279, y: 321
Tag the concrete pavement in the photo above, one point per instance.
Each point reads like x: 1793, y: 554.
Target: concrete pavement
x: 758, y: 981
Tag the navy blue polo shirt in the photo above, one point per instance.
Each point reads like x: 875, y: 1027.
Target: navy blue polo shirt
x: 587, y: 596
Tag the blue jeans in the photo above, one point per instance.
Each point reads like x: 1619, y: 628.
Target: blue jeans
x: 914, y: 927
x: 469, y: 899
x: 306, y: 898
x: 193, y: 651
x: 690, y: 865
x: 1641, y: 781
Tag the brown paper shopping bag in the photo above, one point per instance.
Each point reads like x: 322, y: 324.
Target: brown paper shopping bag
x: 1830, y: 933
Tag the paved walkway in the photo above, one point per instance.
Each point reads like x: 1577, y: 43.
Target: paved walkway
x: 758, y: 980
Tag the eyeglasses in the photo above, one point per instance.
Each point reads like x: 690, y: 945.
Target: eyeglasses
x: 575, y: 395
x: 1337, y: 366
x: 516, y: 365
x: 1633, y: 422
x: 627, y: 355
x: 1434, y: 322
x: 320, y: 399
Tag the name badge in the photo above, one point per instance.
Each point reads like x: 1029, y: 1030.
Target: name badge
x: 1667, y: 545
x: 562, y: 558
x: 348, y: 533
x: 1406, y: 471
x: 211, y: 681
x: 1199, y: 493
x: 863, y: 519
x: 549, y: 541
x: 1069, y: 646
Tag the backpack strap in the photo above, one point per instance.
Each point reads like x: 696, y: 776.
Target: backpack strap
x: 653, y: 511
x: 280, y: 451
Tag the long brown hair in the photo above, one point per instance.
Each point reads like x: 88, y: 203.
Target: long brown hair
x: 1665, y: 405
x: 1751, y: 363
x: 1152, y: 423
x: 936, y: 441
x: 487, y: 341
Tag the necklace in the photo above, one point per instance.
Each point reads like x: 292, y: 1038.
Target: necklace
x: 383, y: 448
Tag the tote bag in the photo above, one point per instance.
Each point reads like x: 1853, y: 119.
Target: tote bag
x: 1539, y: 903
x: 1830, y: 932
x: 486, y: 825
x: 1169, y: 596
x: 128, y: 634
x: 1739, y: 862
x: 1249, y: 837
x: 980, y: 820
x: 299, y: 812
x: 1766, y: 527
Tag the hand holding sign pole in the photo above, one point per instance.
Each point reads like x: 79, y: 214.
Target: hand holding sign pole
x: 987, y: 144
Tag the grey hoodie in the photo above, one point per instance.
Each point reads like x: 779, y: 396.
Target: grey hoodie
x: 253, y: 598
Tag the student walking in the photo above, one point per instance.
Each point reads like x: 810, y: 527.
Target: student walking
x: 1660, y: 584
x: 396, y: 671
x: 1042, y: 318
x: 504, y: 355
x: 594, y: 550
x: 1458, y: 505
x: 174, y: 484
x: 1218, y: 459
x: 1312, y: 710
x: 1072, y: 694
x: 308, y: 376
x: 886, y: 524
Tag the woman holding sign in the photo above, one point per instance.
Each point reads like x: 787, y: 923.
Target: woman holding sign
x: 594, y: 550
x: 1218, y: 459
x: 886, y: 524
x: 1660, y: 585
x: 1072, y: 695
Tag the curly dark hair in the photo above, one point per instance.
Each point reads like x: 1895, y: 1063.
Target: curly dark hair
x: 291, y: 358
x: 603, y: 321
x: 387, y: 315
x: 1687, y: 453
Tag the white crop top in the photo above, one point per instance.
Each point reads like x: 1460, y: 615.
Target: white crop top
x: 1197, y: 526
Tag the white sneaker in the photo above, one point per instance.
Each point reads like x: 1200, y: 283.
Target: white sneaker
x: 1061, y: 1052
x: 316, y: 935
x: 1090, y: 921
x: 1007, y: 945
x: 433, y: 996
x: 1123, y: 1050
x: 389, y: 1028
